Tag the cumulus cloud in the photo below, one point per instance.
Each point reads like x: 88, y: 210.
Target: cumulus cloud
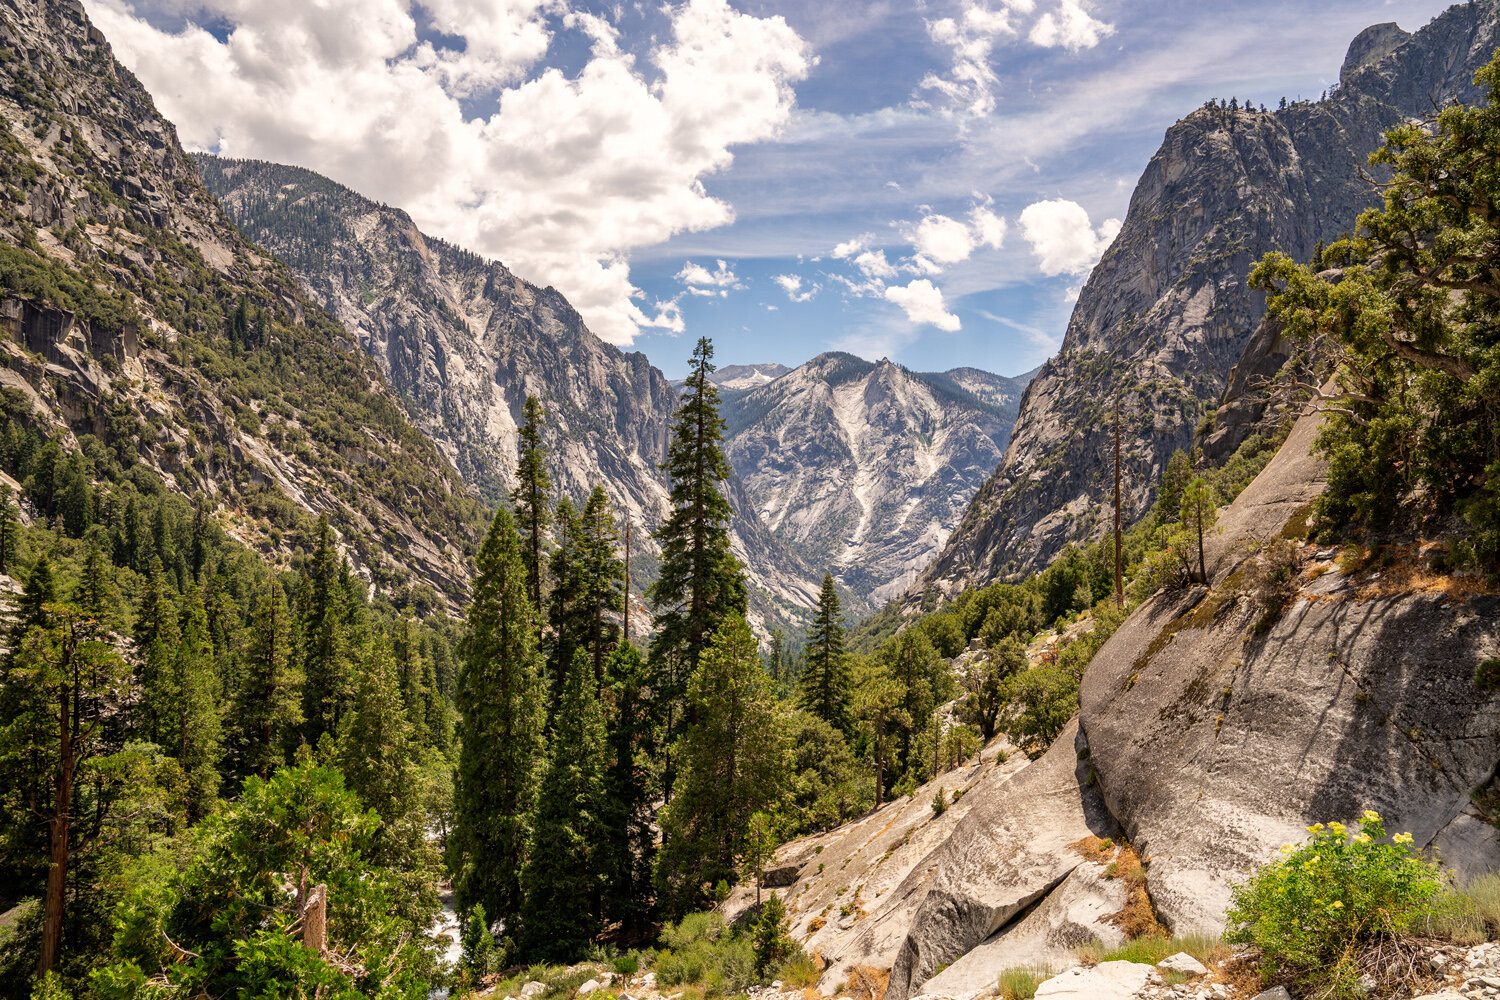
x: 792, y: 285
x: 988, y: 228
x: 874, y: 264
x: 701, y: 281
x: 1063, y: 239
x: 970, y: 83
x: 922, y: 301
x: 1069, y: 26
x: 568, y: 175
x: 943, y: 240
x: 849, y: 248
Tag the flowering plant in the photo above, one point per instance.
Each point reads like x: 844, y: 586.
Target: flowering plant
x: 1311, y: 910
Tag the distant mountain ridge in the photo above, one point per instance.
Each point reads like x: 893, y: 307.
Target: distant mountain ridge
x: 864, y: 467
x: 1167, y: 313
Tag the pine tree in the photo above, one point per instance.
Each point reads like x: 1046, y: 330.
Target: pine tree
x: 1199, y: 513
x: 157, y: 638
x: 502, y: 710
x: 914, y: 665
x: 95, y: 592
x: 268, y: 704
x: 603, y: 592
x: 699, y: 581
x: 825, y: 686
x: 566, y: 610
x: 325, y: 627
x: 10, y: 529
x: 735, y: 762
x: 877, y: 703
x: 630, y: 836
x: 530, y: 498
x: 562, y: 881
x: 197, y: 735
x: 1174, y: 480
x: 39, y: 591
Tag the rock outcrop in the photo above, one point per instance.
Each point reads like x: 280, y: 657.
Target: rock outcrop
x: 1167, y: 313
x: 864, y: 467
x: 121, y: 279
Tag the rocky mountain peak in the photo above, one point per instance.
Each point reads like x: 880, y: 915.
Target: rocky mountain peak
x: 1370, y: 46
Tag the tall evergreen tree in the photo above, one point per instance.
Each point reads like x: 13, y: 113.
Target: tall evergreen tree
x: 94, y: 594
x: 375, y: 753
x: 566, y: 611
x: 603, y: 592
x: 630, y: 834
x: 877, y: 704
x: 10, y: 529
x: 735, y: 762
x: 562, y: 880
x: 533, y: 488
x: 914, y: 664
x: 325, y: 637
x: 157, y: 637
x: 268, y: 704
x: 699, y: 580
x: 825, y: 684
x: 197, y: 735
x: 502, y: 708
x: 39, y: 591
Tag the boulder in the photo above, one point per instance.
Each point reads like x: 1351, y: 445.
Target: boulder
x: 1184, y: 963
x: 1279, y: 993
x: 1007, y: 853
x: 592, y: 986
x: 1073, y: 914
x: 533, y: 988
x: 1105, y: 981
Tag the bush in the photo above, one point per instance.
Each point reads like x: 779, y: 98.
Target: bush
x: 772, y: 941
x: 1487, y: 675
x: 627, y: 965
x: 940, y: 802
x: 1314, y: 910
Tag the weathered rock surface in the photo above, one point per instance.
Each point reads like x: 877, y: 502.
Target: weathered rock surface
x: 1105, y: 981
x: 1167, y: 312
x: 864, y: 467
x: 1218, y: 735
x: 1008, y: 852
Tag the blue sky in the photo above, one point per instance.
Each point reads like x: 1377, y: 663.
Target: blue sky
x: 924, y: 181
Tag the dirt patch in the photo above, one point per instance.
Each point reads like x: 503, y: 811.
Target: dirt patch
x: 1138, y: 918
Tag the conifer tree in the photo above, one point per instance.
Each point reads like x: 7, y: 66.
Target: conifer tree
x: 375, y: 752
x: 1199, y: 513
x: 877, y: 704
x: 630, y: 835
x: 268, y: 705
x: 157, y: 638
x: 94, y: 594
x: 562, y: 880
x: 735, y: 762
x: 699, y: 581
x: 603, y: 591
x: 566, y: 611
x: 825, y: 686
x: 913, y: 665
x: 502, y: 709
x: 531, y: 497
x: 197, y: 736
x: 325, y: 625
x: 39, y: 591
x: 10, y: 529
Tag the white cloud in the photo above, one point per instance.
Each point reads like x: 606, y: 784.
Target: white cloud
x: 989, y: 228
x: 922, y: 301
x: 874, y: 264
x: 849, y: 248
x: 1070, y: 27
x: 562, y: 182
x: 1062, y: 237
x: 943, y: 240
x: 701, y: 281
x: 970, y: 84
x: 792, y: 285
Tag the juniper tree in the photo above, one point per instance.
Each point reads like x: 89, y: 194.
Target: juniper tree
x: 825, y: 680
x: 502, y: 710
x: 699, y: 581
x: 562, y: 881
x: 735, y: 762
x: 531, y: 497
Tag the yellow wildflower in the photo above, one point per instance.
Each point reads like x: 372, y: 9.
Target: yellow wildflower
x: 1371, y: 816
x: 1288, y: 848
x: 1315, y: 828
x: 1361, y: 838
x: 1337, y: 828
x: 1337, y: 904
x: 1402, y: 838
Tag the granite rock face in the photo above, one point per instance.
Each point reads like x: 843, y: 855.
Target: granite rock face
x: 1167, y: 313
x: 864, y: 467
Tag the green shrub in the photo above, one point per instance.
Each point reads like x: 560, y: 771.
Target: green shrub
x: 627, y: 965
x: 940, y: 802
x: 1313, y: 910
x: 772, y: 939
x: 1487, y: 675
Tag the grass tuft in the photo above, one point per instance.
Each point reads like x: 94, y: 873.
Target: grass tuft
x: 1021, y: 983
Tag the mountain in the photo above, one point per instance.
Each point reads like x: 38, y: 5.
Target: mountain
x: 465, y: 341
x: 143, y: 328
x: 1168, y: 312
x: 738, y: 377
x: 864, y: 467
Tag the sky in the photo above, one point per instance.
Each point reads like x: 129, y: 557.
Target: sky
x: 927, y: 181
